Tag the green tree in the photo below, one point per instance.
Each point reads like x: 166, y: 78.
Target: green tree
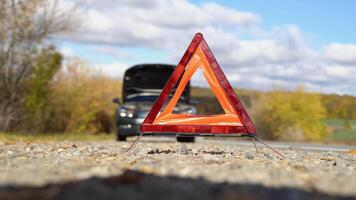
x: 47, y: 65
x: 347, y: 116
x: 24, y: 27
x: 347, y: 124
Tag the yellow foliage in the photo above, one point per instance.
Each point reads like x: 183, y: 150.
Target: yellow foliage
x: 80, y: 95
x: 291, y: 116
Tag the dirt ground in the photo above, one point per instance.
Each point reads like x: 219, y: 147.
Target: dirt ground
x: 170, y: 170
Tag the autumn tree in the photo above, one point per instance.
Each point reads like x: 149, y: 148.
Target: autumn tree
x: 24, y: 27
x: 291, y: 116
x: 81, y: 100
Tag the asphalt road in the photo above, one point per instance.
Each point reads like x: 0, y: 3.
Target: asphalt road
x: 160, y: 168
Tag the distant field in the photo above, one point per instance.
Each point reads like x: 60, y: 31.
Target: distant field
x: 339, y: 122
x: 339, y: 132
x: 344, y: 135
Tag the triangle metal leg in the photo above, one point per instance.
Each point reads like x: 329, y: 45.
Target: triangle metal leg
x: 274, y: 150
x: 254, y: 138
x: 254, y: 143
x: 134, y: 143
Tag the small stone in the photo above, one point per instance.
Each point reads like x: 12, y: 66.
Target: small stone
x: 60, y: 150
x: 182, y: 149
x: 268, y: 155
x: 194, y: 151
x: 210, y: 159
x: 326, y: 159
x: 156, y: 151
x: 249, y: 156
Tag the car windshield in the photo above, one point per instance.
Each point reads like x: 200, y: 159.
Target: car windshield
x: 148, y: 98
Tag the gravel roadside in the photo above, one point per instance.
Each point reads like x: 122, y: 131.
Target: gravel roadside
x: 191, y: 170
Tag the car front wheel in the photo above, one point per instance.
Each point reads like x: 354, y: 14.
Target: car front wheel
x: 121, y: 138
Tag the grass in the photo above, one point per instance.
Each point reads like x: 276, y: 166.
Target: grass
x: 340, y: 133
x: 22, y: 137
x: 336, y: 123
x: 344, y: 135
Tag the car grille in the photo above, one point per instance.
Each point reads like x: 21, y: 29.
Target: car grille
x: 142, y: 114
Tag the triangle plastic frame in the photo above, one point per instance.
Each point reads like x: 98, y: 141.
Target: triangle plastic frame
x: 246, y: 127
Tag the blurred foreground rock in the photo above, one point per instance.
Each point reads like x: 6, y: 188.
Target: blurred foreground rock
x: 169, y: 170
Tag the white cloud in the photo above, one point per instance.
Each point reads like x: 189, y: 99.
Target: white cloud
x: 159, y: 24
x: 67, y: 52
x: 279, y: 56
x: 98, y: 22
x: 345, y: 53
x: 115, y: 70
x: 109, y: 50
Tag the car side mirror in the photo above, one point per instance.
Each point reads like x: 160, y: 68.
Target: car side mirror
x: 194, y: 102
x: 116, y: 100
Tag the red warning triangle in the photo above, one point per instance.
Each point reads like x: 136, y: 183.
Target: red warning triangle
x: 198, y: 56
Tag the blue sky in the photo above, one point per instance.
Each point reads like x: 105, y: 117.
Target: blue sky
x: 325, y: 21
x: 259, y: 44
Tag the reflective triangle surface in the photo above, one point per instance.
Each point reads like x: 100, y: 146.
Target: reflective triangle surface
x: 198, y: 57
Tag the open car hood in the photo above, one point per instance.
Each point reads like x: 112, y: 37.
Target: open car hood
x: 148, y: 80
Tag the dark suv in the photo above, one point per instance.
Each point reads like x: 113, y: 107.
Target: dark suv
x: 142, y: 84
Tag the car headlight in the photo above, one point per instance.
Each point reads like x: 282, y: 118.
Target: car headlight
x: 124, y: 112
